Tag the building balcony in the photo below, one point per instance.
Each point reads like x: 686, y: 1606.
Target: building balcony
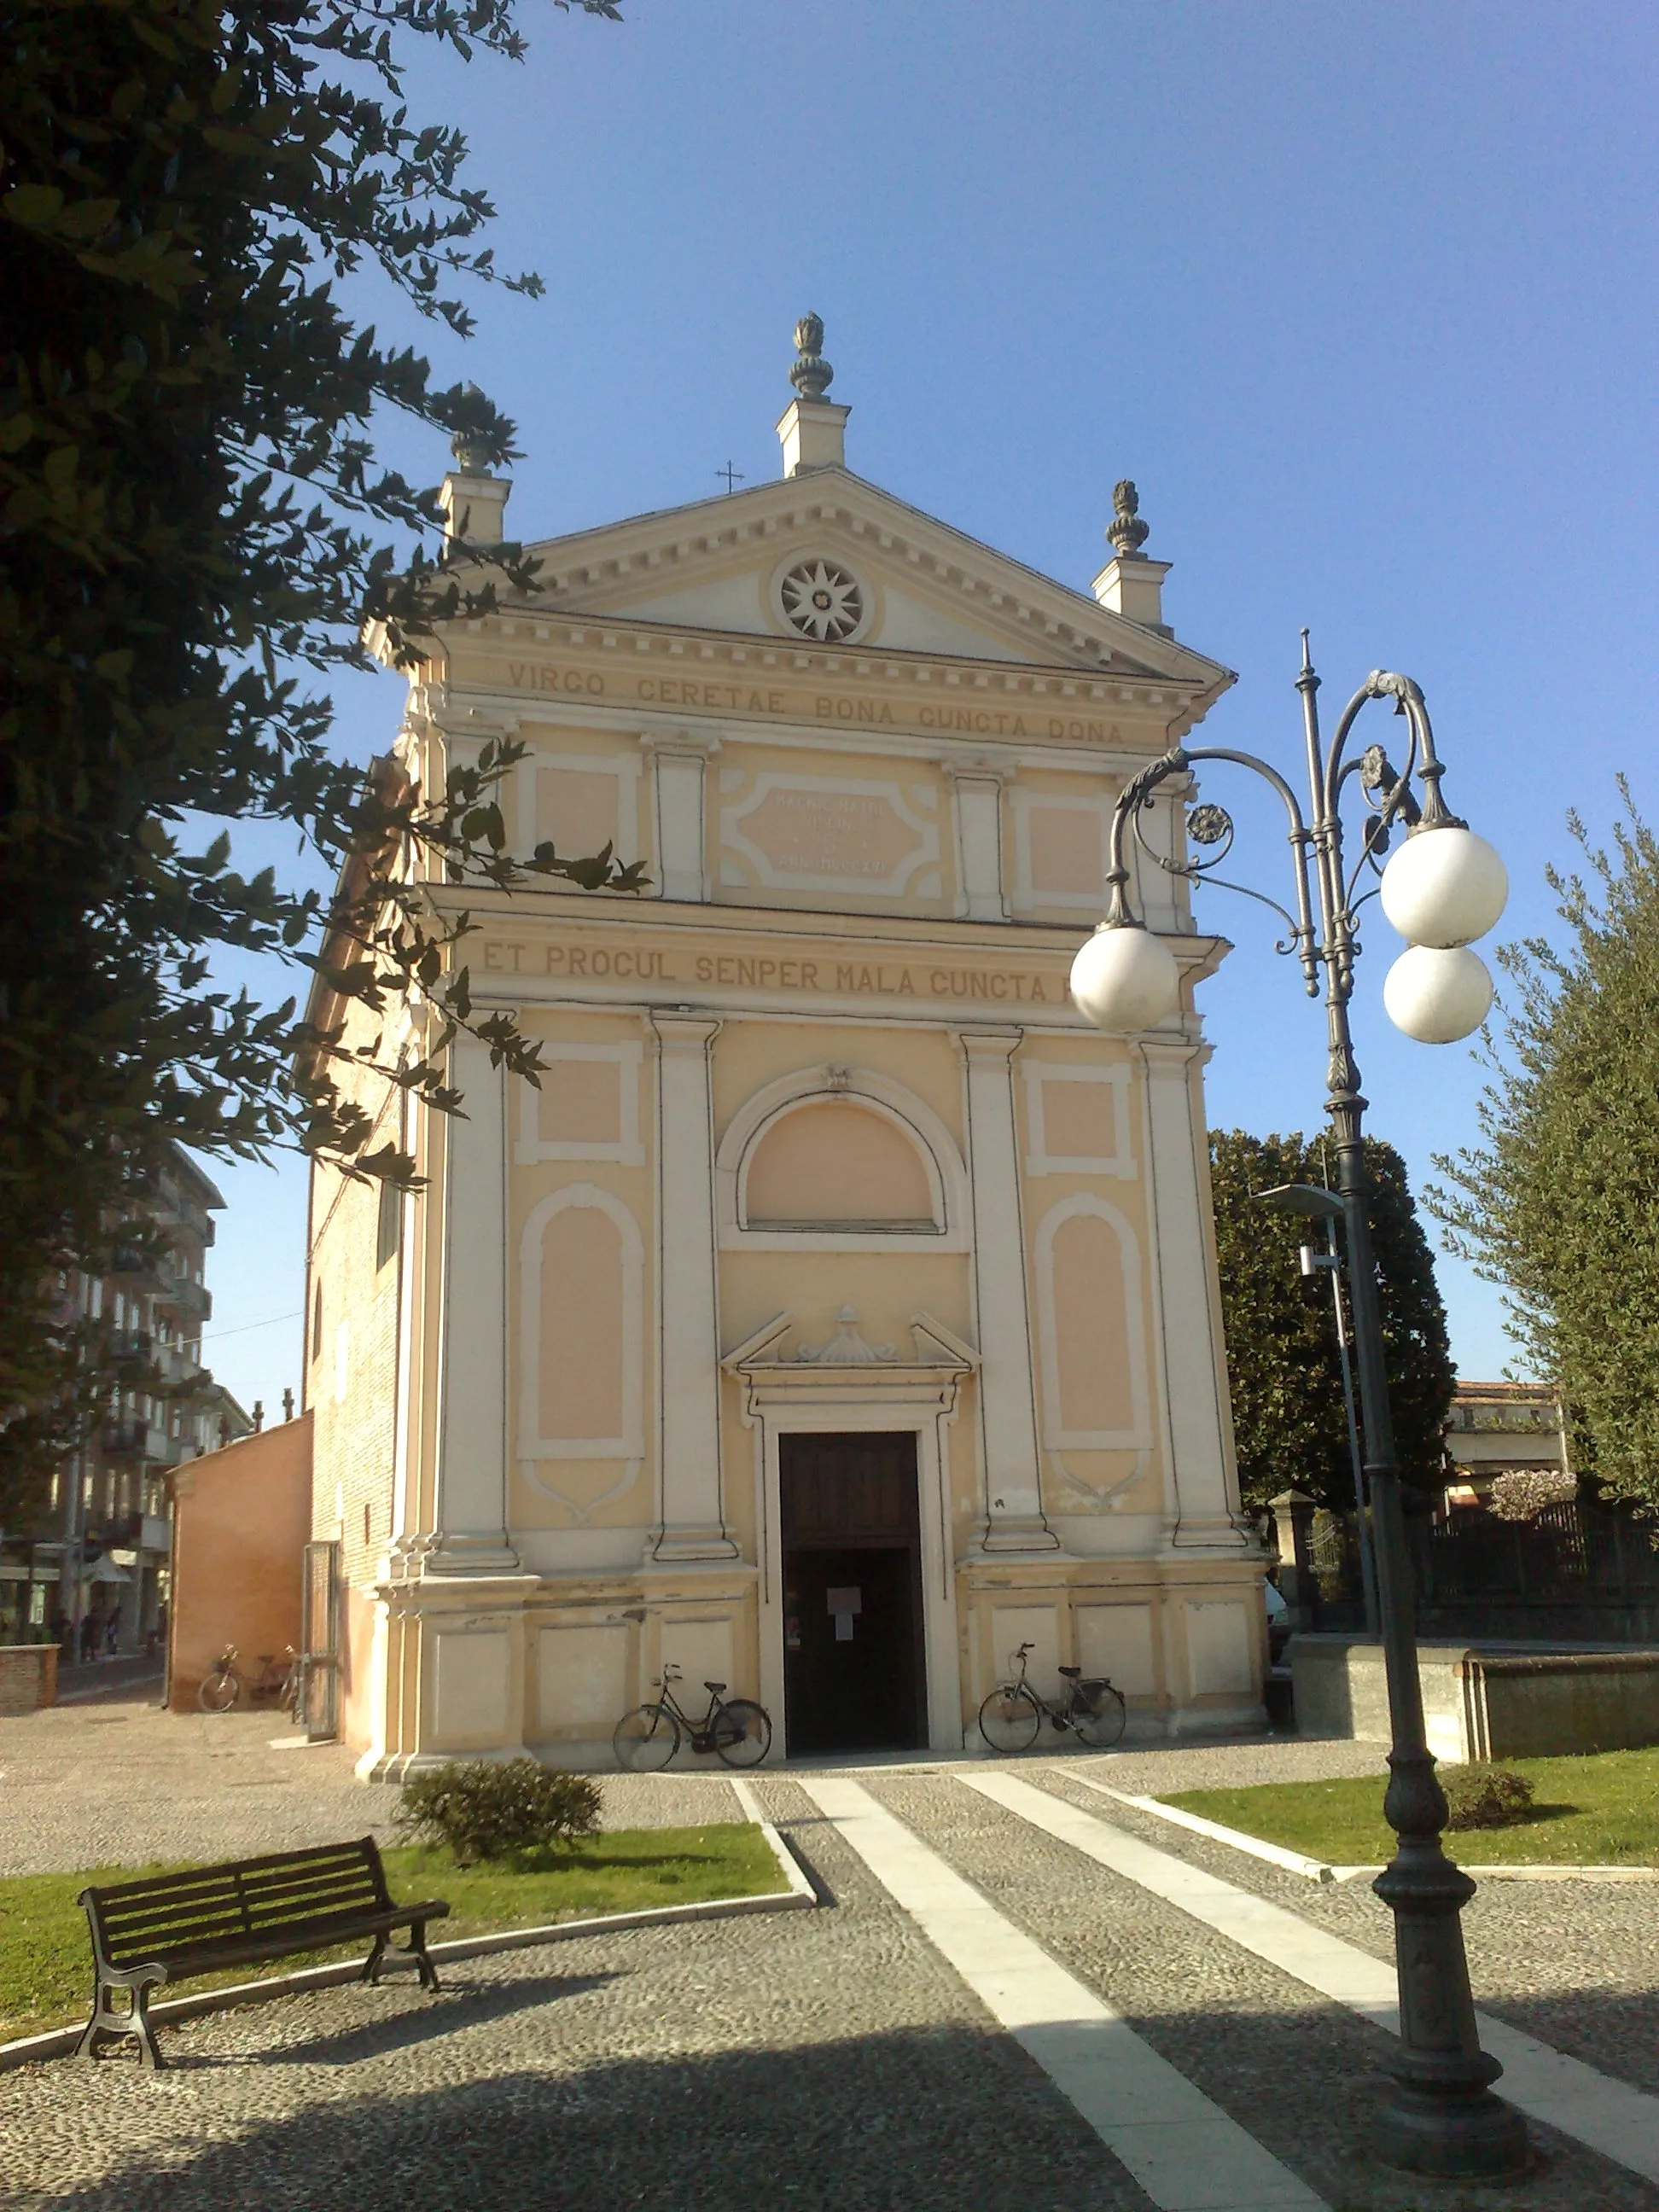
x: 123, y: 1439
x: 132, y: 1343
x: 137, y: 1269
x: 187, y: 1296
x: 120, y: 1534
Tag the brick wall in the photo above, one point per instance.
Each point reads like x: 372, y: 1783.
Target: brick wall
x: 28, y: 1676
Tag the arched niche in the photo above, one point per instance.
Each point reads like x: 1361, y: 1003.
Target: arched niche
x: 840, y: 1159
x: 581, y: 1332
x: 1091, y: 1329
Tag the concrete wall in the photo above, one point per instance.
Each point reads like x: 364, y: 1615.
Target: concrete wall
x: 242, y: 1517
x: 1483, y: 1705
x: 28, y: 1676
x: 1522, y: 1706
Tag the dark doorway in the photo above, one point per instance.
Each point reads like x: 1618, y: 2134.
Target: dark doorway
x: 852, y: 1665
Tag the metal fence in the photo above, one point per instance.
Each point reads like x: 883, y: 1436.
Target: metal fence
x: 1581, y: 1573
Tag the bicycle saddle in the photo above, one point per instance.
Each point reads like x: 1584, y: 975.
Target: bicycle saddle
x: 715, y: 1686
x: 1072, y: 1671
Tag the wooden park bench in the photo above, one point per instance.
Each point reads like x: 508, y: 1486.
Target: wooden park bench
x: 214, y: 1918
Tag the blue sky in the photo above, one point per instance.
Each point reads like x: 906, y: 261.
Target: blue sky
x: 1361, y: 297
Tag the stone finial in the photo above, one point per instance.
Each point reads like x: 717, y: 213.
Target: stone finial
x: 472, y: 454
x: 846, y: 1348
x: 1127, y: 532
x: 812, y: 375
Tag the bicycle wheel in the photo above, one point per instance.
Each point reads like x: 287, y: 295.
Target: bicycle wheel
x: 646, y: 1739
x: 742, y: 1733
x: 1009, y: 1718
x: 1098, y: 1714
x: 218, y: 1691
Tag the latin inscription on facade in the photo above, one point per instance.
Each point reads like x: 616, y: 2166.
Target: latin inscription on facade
x: 833, y: 978
x: 962, y: 718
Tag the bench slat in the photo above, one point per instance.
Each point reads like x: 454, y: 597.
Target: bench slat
x: 351, y: 1854
x: 242, y: 1901
x: 170, y: 1927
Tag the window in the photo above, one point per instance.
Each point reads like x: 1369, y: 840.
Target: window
x: 389, y: 1227
x: 316, y: 1323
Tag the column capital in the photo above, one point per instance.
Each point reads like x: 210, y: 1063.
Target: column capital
x: 1165, y: 1054
x: 990, y: 1044
x: 679, y: 1030
x: 694, y: 743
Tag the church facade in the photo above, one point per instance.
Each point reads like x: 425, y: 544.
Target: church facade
x: 841, y: 1313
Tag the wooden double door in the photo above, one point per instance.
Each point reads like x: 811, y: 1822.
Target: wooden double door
x: 854, y: 1665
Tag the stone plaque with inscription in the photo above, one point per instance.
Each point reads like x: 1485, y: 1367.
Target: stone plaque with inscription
x: 813, y: 833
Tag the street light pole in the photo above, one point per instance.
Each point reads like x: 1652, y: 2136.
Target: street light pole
x: 1442, y: 889
x: 1361, y: 1503
x: 1310, y: 1200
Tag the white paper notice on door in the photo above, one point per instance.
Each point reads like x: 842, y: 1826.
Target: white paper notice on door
x: 843, y: 1603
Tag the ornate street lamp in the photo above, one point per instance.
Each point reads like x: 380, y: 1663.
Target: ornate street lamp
x: 1442, y: 888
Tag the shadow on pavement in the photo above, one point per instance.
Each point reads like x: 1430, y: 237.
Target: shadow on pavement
x: 927, y: 2120
x: 455, y: 2007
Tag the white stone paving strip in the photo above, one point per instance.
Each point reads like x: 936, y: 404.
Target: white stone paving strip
x: 1613, y: 2117
x: 1183, y: 2151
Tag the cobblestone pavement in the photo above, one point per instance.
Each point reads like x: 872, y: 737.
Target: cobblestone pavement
x: 822, y: 2059
x: 825, y: 2059
x: 1302, y: 2074
x: 118, y: 1782
x: 1574, y: 1963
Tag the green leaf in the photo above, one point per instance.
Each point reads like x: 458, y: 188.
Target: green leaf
x: 35, y: 205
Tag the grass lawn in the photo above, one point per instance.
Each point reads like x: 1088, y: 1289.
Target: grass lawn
x: 1602, y: 1810
x: 46, y: 1953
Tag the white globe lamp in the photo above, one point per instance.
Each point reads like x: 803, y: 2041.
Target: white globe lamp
x: 1125, y: 979
x: 1444, y: 886
x: 1437, y: 994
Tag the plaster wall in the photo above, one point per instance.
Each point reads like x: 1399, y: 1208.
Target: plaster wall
x: 241, y: 1519
x: 821, y: 1144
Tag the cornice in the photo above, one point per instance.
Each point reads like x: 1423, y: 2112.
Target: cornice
x: 751, y: 658
x: 1019, y: 599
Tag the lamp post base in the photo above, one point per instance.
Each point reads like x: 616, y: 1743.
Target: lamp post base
x: 1443, y: 2118
x: 1457, y: 2138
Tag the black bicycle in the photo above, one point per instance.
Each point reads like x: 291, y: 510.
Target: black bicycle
x: 1012, y: 1717
x: 647, y: 1738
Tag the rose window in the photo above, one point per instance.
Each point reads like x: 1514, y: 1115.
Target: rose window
x: 823, y: 601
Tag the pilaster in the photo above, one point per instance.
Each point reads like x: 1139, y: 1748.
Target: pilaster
x: 1201, y: 1480
x: 470, y: 1503
x: 981, y: 895
x: 693, y: 1522
x: 1014, y: 1519
x: 679, y: 809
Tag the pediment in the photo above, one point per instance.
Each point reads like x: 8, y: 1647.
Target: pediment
x: 761, y: 561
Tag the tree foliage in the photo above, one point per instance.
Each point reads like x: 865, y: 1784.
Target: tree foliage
x: 193, y: 531
x: 1282, y: 1357
x: 1559, y: 1203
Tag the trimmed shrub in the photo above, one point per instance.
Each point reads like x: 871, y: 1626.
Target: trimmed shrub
x: 485, y: 1808
x: 1486, y: 1797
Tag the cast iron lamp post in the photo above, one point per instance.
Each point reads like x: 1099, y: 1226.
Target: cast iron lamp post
x: 1442, y: 888
x: 1312, y: 1203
